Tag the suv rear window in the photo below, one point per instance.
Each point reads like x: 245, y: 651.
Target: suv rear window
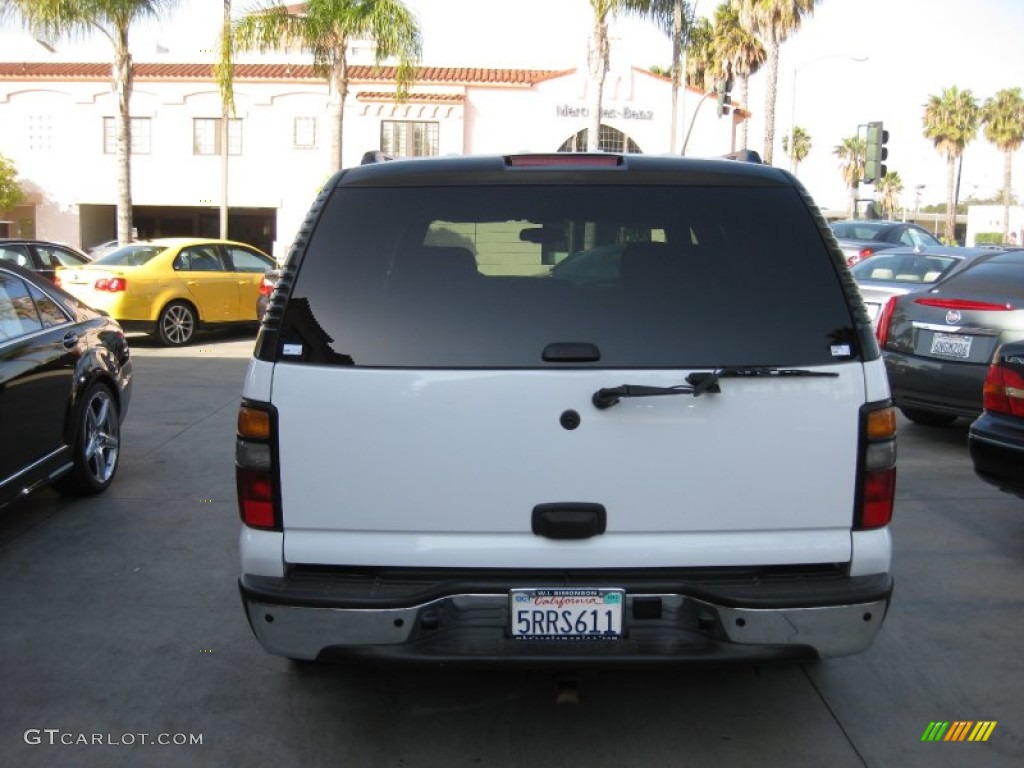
x: 490, y: 276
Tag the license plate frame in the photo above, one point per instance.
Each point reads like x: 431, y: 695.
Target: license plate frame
x: 954, y: 346
x: 566, y: 614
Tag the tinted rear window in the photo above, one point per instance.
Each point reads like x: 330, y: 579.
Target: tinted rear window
x: 130, y: 255
x: 997, y: 277
x: 903, y: 268
x: 857, y: 230
x: 491, y: 276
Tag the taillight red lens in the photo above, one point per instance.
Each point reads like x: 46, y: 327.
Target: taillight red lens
x: 884, y: 321
x: 266, y: 288
x: 863, y: 253
x: 944, y: 303
x: 879, y: 493
x: 111, y: 284
x: 56, y: 280
x: 255, y: 497
x: 1004, y: 391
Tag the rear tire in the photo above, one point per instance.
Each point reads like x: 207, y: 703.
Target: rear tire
x: 928, y: 418
x: 96, y: 446
x: 177, y: 324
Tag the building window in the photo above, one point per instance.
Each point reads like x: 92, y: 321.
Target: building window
x: 141, y: 128
x: 612, y: 140
x: 408, y: 139
x: 304, y: 133
x: 40, y: 133
x: 206, y: 136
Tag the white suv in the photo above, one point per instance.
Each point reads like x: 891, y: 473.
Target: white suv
x: 565, y: 409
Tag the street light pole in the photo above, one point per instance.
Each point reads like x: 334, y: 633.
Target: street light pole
x: 792, y: 111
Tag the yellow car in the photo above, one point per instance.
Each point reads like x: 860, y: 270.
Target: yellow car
x: 172, y: 286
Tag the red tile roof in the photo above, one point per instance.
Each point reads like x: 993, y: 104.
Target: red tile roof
x: 268, y: 72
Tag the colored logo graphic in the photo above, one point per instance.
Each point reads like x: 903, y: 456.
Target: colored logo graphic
x: 959, y: 730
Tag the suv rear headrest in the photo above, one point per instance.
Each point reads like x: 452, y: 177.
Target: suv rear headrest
x: 434, y: 264
x: 650, y: 263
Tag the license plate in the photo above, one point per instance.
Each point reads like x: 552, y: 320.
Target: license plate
x: 566, y: 614
x: 951, y: 345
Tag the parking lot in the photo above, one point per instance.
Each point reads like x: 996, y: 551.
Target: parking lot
x: 123, y: 641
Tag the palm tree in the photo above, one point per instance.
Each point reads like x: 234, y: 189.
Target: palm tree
x: 951, y: 122
x: 224, y: 75
x: 326, y: 27
x: 889, y: 188
x: 1003, y: 118
x: 675, y: 17
x: 851, y: 157
x: 600, y: 55
x: 801, y: 146
x: 773, y: 21
x: 113, y: 19
x: 742, y: 54
x: 700, y: 64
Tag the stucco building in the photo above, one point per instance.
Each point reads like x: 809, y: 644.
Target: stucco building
x: 57, y: 126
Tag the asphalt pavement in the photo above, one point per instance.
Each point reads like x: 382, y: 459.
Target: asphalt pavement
x: 123, y: 641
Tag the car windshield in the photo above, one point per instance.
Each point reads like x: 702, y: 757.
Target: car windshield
x: 130, y: 255
x: 903, y: 268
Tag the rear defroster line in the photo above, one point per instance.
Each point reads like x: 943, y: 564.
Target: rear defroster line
x: 697, y: 384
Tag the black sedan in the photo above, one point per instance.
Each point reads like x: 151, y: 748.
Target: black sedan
x: 996, y: 439
x: 40, y: 256
x: 938, y: 343
x: 860, y: 239
x: 65, y: 385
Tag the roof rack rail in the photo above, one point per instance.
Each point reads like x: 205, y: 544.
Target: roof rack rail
x: 745, y: 155
x: 374, y: 156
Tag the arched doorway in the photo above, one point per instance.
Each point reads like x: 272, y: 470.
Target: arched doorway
x: 611, y: 140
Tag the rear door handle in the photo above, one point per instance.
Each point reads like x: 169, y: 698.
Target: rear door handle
x: 569, y: 520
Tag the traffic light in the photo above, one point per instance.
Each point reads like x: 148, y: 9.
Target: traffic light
x: 874, y: 157
x: 723, y: 88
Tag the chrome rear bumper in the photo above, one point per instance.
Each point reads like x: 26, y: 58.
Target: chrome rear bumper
x: 473, y: 628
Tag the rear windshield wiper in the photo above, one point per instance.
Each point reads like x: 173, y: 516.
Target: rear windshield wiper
x: 697, y: 384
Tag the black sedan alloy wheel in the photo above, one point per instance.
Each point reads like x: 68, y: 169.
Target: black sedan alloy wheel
x: 97, y: 445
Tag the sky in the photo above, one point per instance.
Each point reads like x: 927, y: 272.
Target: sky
x: 914, y: 49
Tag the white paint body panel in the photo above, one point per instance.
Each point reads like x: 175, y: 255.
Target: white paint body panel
x: 443, y: 468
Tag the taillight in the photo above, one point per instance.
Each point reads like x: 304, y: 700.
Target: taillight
x: 884, y: 321
x: 266, y: 287
x: 111, y: 284
x: 876, y: 490
x: 255, y: 470
x: 56, y: 280
x: 944, y: 303
x: 1004, y: 391
x: 863, y: 253
x: 255, y: 498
